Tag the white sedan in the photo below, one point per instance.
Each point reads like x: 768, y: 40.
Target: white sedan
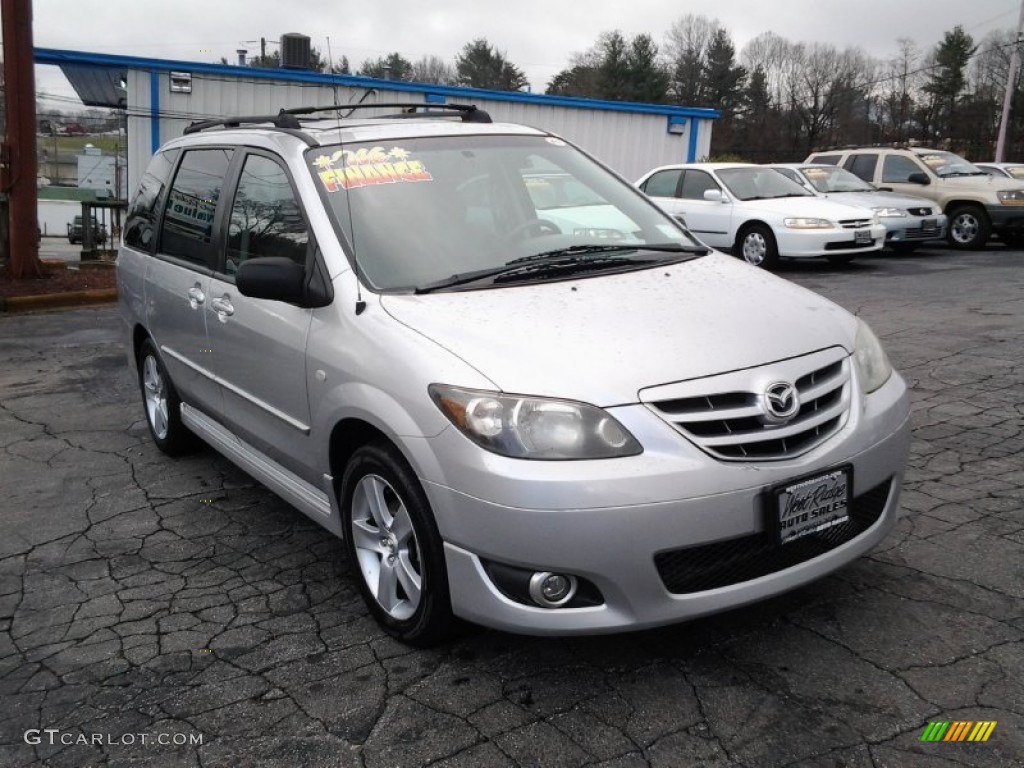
x: 760, y: 214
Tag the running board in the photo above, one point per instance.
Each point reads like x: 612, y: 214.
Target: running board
x: 307, y: 498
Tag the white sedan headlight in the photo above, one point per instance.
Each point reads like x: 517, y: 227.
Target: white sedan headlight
x: 890, y: 213
x: 804, y: 223
x: 534, y: 427
x: 873, y: 366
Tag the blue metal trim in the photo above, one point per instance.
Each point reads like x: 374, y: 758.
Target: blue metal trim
x: 154, y: 110
x: 434, y: 98
x: 106, y: 60
x: 691, y: 155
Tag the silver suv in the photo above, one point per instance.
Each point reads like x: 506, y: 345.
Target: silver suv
x: 520, y: 393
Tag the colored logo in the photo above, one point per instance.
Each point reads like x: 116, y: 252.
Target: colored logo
x: 958, y: 730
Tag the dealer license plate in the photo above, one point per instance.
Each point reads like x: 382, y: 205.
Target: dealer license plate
x: 862, y: 237
x: 811, y: 505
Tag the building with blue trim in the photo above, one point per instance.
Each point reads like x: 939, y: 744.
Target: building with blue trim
x: 162, y: 97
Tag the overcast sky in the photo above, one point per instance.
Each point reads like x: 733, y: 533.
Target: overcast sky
x: 539, y: 36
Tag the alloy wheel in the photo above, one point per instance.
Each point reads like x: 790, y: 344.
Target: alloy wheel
x: 386, y: 546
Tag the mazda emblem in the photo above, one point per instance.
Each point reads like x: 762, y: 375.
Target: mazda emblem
x: 781, y: 402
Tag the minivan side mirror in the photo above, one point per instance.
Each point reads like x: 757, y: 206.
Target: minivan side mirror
x: 919, y: 178
x: 714, y: 195
x: 272, y: 277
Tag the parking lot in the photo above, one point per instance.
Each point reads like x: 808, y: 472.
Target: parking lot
x: 174, y: 613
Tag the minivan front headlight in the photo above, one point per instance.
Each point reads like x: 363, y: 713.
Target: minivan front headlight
x: 873, y: 366
x: 534, y: 427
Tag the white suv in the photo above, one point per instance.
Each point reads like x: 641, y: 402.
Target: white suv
x: 519, y: 391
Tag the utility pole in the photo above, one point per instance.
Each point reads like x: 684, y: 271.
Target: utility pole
x: 18, y: 155
x: 1011, y: 86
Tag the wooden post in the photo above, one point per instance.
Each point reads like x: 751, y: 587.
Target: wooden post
x: 19, y: 151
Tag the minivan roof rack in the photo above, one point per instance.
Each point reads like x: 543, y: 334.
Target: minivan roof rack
x: 280, y: 120
x: 469, y: 113
x: 287, y: 119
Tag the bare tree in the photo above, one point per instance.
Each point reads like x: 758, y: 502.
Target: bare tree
x: 899, y: 91
x: 433, y: 69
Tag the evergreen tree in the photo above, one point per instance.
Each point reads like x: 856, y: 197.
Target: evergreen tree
x: 949, y: 77
x: 342, y: 67
x: 648, y: 81
x: 394, y: 66
x: 723, y: 79
x: 580, y: 80
x: 481, y: 66
x: 613, y: 73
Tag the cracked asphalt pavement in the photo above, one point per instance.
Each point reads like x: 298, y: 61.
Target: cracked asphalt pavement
x: 159, y: 612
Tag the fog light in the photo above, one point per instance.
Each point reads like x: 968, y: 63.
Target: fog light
x: 551, y: 590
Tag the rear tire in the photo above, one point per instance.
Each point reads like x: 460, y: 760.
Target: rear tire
x: 394, y: 548
x: 969, y: 227
x: 756, y: 245
x: 162, y: 405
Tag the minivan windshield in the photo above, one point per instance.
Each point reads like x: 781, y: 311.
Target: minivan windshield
x: 435, y: 212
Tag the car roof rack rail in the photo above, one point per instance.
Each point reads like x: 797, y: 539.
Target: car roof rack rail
x: 469, y: 113
x: 281, y: 120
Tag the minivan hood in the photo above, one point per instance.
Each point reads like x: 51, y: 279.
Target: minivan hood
x: 602, y: 339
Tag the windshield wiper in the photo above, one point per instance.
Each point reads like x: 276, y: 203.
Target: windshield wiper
x: 578, y: 250
x: 574, y: 258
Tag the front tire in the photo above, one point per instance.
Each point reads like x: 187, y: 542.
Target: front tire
x: 161, y: 403
x: 756, y: 246
x: 969, y: 227
x: 394, y: 547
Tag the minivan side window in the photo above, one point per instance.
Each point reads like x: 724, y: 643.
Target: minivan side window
x: 266, y: 219
x: 141, y: 220
x: 863, y: 166
x: 898, y: 168
x: 191, y: 204
x: 663, y: 183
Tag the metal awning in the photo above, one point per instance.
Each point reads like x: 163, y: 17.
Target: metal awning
x: 97, y: 86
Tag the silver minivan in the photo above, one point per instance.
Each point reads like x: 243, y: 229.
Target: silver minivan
x: 520, y: 393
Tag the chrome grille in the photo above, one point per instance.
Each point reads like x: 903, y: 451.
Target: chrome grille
x: 854, y: 223
x: 734, y: 425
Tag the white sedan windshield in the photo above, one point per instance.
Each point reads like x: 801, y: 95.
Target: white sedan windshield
x: 760, y: 184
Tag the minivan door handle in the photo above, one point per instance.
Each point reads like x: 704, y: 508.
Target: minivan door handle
x: 196, y: 296
x: 223, y: 307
